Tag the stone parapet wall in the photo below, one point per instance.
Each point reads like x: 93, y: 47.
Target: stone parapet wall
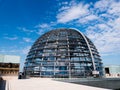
x: 112, y: 75
x: 9, y: 69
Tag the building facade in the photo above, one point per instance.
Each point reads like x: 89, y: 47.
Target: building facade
x: 112, y: 70
x: 63, y: 53
x: 9, y: 65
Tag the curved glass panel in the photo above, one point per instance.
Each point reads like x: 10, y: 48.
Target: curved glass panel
x: 62, y: 53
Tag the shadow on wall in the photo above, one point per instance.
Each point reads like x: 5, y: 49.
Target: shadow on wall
x: 2, y: 84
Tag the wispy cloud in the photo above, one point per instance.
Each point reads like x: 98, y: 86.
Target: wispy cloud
x: 106, y: 33
x: 102, y: 19
x: 11, y: 38
x: 72, y: 12
x: 18, y: 51
x: 27, y: 39
x: 26, y: 49
x: 25, y: 29
x: 88, y: 18
x: 44, y: 27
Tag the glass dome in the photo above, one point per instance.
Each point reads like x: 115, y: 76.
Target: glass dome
x: 63, y: 53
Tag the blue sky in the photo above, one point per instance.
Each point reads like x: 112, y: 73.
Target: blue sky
x: 23, y: 21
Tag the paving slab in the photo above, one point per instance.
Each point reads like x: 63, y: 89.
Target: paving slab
x: 45, y: 84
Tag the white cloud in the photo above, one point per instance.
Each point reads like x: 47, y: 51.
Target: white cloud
x: 11, y: 38
x: 44, y: 25
x: 13, y: 51
x: 91, y: 17
x: 102, y: 5
x: 2, y: 50
x: 26, y: 30
x: 10, y: 51
x: 27, y: 39
x: 41, y: 31
x: 102, y: 19
x: 64, y: 8
x: 72, y: 13
x: 42, y: 28
x: 64, y: 3
x: 114, y: 9
x: 88, y: 18
x: 106, y: 39
x: 109, y: 30
x: 26, y: 50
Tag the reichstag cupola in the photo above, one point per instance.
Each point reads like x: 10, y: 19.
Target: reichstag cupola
x: 63, y: 53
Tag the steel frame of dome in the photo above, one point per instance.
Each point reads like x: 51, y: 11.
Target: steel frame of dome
x: 63, y: 53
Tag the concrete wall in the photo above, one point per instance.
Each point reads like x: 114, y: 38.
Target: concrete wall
x: 9, y: 59
x: 114, y: 71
